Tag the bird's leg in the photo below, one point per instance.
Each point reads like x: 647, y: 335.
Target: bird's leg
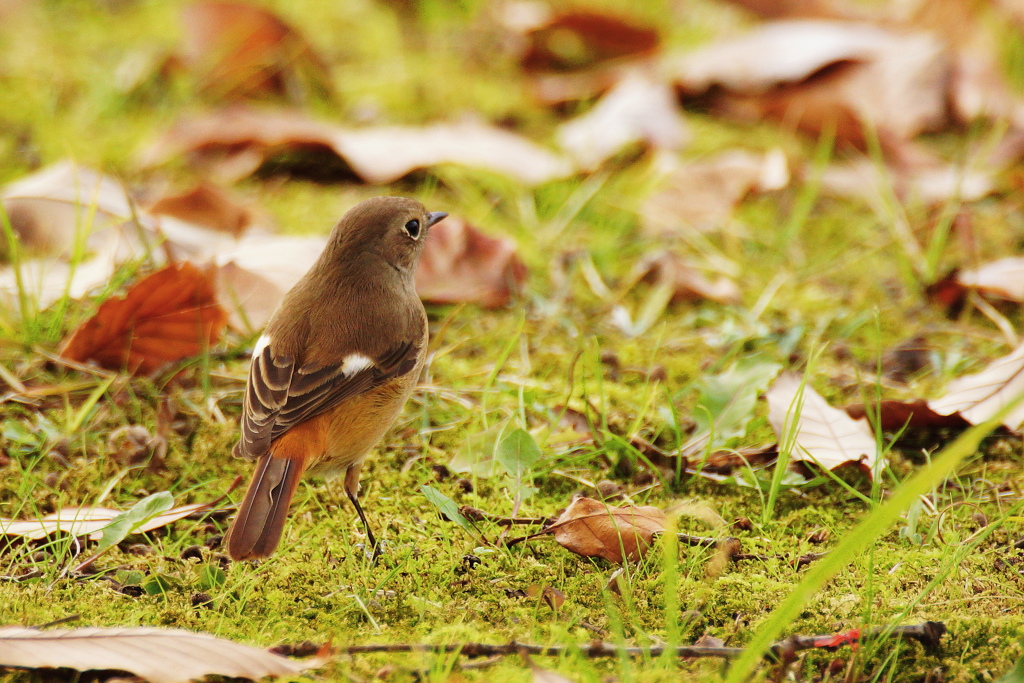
x: 352, y: 490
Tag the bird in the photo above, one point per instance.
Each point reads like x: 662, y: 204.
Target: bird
x: 333, y: 368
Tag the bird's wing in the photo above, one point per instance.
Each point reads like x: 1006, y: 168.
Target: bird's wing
x: 280, y: 394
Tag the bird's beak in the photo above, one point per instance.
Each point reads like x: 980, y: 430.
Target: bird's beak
x: 435, y: 217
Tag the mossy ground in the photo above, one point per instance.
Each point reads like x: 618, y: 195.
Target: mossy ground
x: 841, y: 279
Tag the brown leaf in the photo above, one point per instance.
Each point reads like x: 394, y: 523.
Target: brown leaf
x: 47, y: 209
x: 254, y: 274
x: 460, y: 264
x: 155, y: 654
x: 88, y: 521
x: 895, y: 415
x: 814, y: 74
x: 823, y: 434
x: 726, y: 462
x: 169, y: 315
x: 980, y: 396
x: 688, y: 282
x: 926, y: 179
x: 234, y: 142
x: 593, y: 529
x: 240, y: 50
x: 580, y: 38
x: 1002, y: 279
x: 637, y: 109
x: 206, y: 205
x: 702, y: 195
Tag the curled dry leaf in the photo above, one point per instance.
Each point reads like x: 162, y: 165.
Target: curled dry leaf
x: 460, y: 264
x: 914, y: 415
x: 1002, y: 279
x: 927, y: 180
x: 254, y: 274
x: 240, y: 50
x: 703, y: 194
x: 594, y: 529
x: 53, y: 205
x: 815, y: 74
x: 581, y: 38
x: 206, y: 205
x: 89, y: 521
x: 636, y: 110
x: 235, y: 142
x: 688, y: 282
x: 169, y: 315
x: 156, y: 654
x: 978, y: 397
x: 819, y: 433
x: 49, y: 208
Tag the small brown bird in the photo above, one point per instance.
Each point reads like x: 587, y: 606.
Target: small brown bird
x: 338, y: 360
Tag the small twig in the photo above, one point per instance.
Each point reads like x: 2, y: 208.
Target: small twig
x: 594, y: 650
x: 477, y: 515
x: 928, y: 634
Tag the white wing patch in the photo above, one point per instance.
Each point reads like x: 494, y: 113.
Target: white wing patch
x: 353, y: 363
x: 261, y: 343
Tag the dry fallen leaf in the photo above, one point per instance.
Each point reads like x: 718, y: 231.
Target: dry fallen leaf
x: 980, y: 396
x: 593, y: 529
x: 1003, y: 278
x: 460, y: 264
x: 823, y: 434
x: 49, y: 208
x: 88, y: 521
x: 928, y: 180
x: 702, y: 195
x: 636, y: 110
x: 813, y: 74
x: 240, y: 50
x: 915, y: 415
x: 254, y: 274
x: 580, y: 38
x: 156, y: 654
x: 206, y: 205
x: 688, y: 281
x: 234, y: 142
x: 169, y: 315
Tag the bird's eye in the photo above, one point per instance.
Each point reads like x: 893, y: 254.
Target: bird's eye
x: 413, y: 228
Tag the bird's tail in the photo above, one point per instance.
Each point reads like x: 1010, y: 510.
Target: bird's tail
x: 256, y: 529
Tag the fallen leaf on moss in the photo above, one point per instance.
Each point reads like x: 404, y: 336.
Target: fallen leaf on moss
x: 817, y: 74
x: 702, y: 195
x: 914, y: 415
x: 47, y: 209
x: 206, y: 205
x: 593, y: 529
x: 89, y: 521
x: 460, y: 264
x: 234, y: 142
x: 819, y: 433
x: 240, y: 50
x: 979, y: 396
x: 156, y: 654
x: 688, y: 281
x: 579, y: 38
x: 1001, y: 279
x: 165, y: 317
x: 254, y: 274
x: 637, y: 110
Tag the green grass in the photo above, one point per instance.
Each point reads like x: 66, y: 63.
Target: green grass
x: 843, y: 289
